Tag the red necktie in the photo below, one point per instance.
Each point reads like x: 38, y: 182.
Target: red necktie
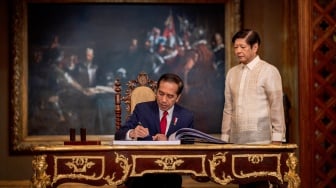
x: 163, y: 122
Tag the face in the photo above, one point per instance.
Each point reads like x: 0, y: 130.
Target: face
x: 218, y: 39
x: 244, y: 52
x: 89, y: 56
x: 166, y: 95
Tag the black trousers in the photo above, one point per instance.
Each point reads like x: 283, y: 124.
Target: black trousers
x: 155, y: 181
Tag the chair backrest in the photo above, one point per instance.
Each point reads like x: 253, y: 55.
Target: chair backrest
x: 142, y: 89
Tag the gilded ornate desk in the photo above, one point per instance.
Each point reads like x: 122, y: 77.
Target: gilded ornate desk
x: 113, y: 164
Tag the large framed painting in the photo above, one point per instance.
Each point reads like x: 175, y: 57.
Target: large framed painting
x: 66, y: 56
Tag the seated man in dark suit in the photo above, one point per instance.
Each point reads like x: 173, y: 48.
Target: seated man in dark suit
x: 157, y: 120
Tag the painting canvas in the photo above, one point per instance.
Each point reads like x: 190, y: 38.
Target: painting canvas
x: 66, y: 56
x: 76, y: 55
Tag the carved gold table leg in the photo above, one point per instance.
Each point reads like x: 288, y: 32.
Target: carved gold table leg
x: 291, y: 176
x: 40, y: 178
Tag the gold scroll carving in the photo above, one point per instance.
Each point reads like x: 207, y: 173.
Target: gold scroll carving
x: 124, y: 164
x: 218, y: 159
x: 257, y: 159
x: 77, y: 167
x: 168, y: 163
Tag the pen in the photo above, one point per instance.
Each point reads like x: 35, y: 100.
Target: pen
x: 140, y: 124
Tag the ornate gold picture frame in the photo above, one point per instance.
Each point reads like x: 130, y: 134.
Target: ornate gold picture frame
x: 29, y: 36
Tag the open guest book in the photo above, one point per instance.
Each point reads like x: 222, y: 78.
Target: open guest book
x: 182, y: 136
x: 189, y: 135
x: 145, y: 142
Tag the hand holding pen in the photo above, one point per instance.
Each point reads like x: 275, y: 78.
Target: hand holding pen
x: 140, y: 131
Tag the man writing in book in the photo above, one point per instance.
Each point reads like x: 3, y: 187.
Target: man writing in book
x: 157, y: 120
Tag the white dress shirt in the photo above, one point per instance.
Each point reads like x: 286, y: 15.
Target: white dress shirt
x: 253, y: 110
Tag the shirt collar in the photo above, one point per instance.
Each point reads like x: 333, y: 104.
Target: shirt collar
x: 170, y: 111
x: 251, y: 64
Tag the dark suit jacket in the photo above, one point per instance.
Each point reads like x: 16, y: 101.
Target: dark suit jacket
x: 148, y: 114
x: 81, y: 75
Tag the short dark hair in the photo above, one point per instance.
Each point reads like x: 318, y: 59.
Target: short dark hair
x: 252, y: 37
x: 170, y: 77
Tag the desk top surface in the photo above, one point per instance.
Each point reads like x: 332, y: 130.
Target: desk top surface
x: 197, y: 146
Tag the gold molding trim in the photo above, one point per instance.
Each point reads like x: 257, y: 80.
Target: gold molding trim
x: 123, y: 162
x: 40, y: 178
x: 291, y: 176
x: 78, y: 166
x: 217, y: 159
x: 255, y: 159
x: 168, y: 163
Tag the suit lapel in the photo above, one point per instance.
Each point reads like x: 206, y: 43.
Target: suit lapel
x: 156, y: 117
x: 174, y: 121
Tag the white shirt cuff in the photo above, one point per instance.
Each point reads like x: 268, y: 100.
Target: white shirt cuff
x: 278, y: 137
x: 128, y: 135
x: 225, y: 137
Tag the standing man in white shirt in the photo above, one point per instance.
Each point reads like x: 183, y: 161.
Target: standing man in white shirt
x: 253, y: 111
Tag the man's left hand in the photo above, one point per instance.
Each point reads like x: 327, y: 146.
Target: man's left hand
x: 159, y: 137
